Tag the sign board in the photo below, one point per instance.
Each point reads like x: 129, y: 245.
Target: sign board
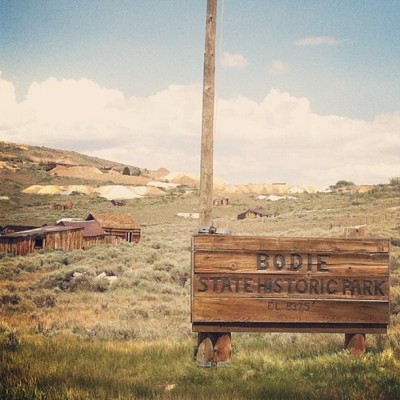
x: 261, y: 284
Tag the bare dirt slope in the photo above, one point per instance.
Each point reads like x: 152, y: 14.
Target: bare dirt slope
x: 93, y: 173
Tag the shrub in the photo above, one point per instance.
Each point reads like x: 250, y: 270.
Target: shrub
x: 126, y: 171
x: 395, y: 181
x: 341, y: 184
x: 44, y: 300
x: 136, y: 172
x: 82, y: 282
x: 9, y: 339
x: 7, y: 299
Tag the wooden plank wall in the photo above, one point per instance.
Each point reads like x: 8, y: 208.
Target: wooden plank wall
x: 64, y: 240
x: 289, y: 284
x: 123, y: 233
x: 20, y: 246
x: 94, y: 241
x: 16, y: 246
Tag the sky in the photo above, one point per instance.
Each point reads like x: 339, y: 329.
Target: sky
x: 308, y: 92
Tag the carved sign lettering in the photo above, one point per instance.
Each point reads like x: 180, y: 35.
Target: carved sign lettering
x: 260, y: 283
x: 314, y: 286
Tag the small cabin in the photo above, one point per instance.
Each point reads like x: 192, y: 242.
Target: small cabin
x: 93, y: 233
x: 46, y: 237
x: 221, y: 201
x: 124, y: 226
x: 256, y: 213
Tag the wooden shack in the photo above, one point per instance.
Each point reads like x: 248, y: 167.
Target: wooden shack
x: 221, y: 201
x: 15, y: 228
x: 256, y: 213
x: 47, y: 237
x: 124, y: 226
x: 93, y: 233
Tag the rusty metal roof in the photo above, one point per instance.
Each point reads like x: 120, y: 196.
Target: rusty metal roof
x: 44, y: 230
x: 124, y: 221
x: 258, y: 211
x: 90, y: 228
x: 261, y: 211
x: 16, y: 228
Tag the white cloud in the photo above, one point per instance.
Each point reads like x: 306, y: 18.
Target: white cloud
x: 281, y: 139
x: 233, y: 61
x: 12, y: 114
x: 320, y: 41
x: 277, y: 139
x: 70, y: 102
x: 81, y: 115
x: 279, y: 67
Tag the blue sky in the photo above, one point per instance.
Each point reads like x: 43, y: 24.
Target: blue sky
x: 314, y: 80
x: 139, y: 47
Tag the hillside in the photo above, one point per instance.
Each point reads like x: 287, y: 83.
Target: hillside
x: 31, y: 193
x: 48, y: 171
x: 35, y: 181
x: 75, y: 324
x: 14, y: 157
x: 41, y: 170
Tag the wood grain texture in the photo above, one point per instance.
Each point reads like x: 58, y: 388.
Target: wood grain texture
x: 289, y: 327
x: 279, y: 283
x: 288, y: 310
x: 355, y: 343
x: 260, y: 243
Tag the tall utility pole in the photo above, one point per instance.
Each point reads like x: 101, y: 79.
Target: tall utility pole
x: 206, y: 167
x: 213, y: 348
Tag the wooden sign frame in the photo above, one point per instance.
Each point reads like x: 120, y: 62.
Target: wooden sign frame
x: 264, y: 284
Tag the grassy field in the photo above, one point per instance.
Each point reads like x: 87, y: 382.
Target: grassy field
x: 265, y: 367
x: 66, y: 333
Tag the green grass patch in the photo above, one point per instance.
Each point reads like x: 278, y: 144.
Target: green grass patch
x: 67, y: 368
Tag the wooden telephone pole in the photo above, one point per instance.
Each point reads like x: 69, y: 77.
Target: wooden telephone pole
x: 206, y: 167
x: 212, y: 348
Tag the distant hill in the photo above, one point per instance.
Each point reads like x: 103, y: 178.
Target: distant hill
x: 22, y: 166
x: 14, y: 155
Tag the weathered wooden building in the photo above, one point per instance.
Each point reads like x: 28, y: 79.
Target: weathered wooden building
x: 221, y: 201
x: 256, y: 213
x: 93, y: 233
x: 15, y: 228
x: 124, y: 226
x: 47, y: 237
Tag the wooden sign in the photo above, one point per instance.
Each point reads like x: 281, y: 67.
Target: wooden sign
x: 243, y: 283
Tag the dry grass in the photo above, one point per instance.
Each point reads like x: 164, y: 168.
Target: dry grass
x: 78, y: 336
x: 152, y: 291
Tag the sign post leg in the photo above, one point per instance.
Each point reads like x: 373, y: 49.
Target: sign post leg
x: 355, y: 343
x: 213, y: 349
